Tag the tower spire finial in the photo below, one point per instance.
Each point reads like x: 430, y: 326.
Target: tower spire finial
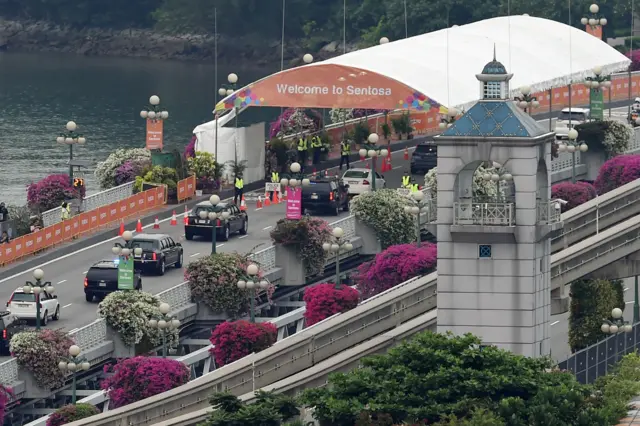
x: 494, y: 51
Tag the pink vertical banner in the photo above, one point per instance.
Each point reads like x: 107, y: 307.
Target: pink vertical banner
x: 294, y: 203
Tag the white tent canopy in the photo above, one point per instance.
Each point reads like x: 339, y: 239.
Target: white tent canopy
x: 539, y: 52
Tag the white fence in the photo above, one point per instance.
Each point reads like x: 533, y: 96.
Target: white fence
x: 92, y: 202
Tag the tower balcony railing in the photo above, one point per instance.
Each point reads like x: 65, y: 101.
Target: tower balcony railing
x: 549, y: 212
x: 484, y: 213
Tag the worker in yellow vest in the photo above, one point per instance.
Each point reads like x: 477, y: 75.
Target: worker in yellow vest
x: 406, y: 180
x: 316, y: 145
x: 239, y: 189
x: 345, y: 152
x: 275, y: 178
x: 65, y: 213
x: 415, y: 187
x: 302, y: 150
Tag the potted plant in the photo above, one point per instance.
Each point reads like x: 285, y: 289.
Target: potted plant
x: 161, y: 176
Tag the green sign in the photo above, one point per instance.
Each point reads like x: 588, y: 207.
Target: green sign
x: 596, y: 104
x: 125, y: 273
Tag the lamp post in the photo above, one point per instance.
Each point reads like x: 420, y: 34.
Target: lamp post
x: 250, y: 284
x: 213, y: 217
x: 527, y: 101
x: 372, y: 151
x: 71, y: 137
x: 340, y: 244
x: 165, y: 324
x: 126, y: 249
x: 571, y: 146
x: 73, y: 364
x: 419, y: 205
x: 228, y: 89
x: 295, y: 178
x: 594, y: 19
x: 447, y: 120
x: 617, y: 325
x: 153, y: 111
x: 497, y: 177
x: 596, y: 83
x: 384, y: 40
x: 126, y: 280
x: 307, y: 58
x: 37, y: 288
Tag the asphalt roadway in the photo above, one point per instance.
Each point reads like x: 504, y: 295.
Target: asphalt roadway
x: 67, y: 271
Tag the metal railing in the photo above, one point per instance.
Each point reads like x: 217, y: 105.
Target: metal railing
x: 549, y: 212
x: 91, y: 335
x: 486, y: 214
x: 622, y: 239
x: 176, y: 296
x: 596, y: 360
x: 92, y: 202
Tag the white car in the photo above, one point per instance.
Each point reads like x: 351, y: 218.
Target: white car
x: 361, y: 180
x: 23, y: 306
x: 577, y: 115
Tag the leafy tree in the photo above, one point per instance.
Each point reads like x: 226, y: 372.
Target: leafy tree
x: 591, y: 303
x: 269, y: 409
x: 436, y: 376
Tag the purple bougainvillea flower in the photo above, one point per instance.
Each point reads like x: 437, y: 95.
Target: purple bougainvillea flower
x: 574, y: 193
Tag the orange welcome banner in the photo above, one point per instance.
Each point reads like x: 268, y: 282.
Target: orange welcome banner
x: 329, y: 86
x: 81, y: 224
x: 154, y: 134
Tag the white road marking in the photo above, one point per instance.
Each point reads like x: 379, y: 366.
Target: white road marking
x: 94, y: 246
x: 626, y: 288
x: 84, y: 272
x: 219, y: 245
x: 259, y: 208
x: 554, y: 323
x: 63, y: 281
x: 244, y: 236
x: 268, y: 227
x: 396, y: 167
x: 66, y: 306
x: 194, y: 254
x: 630, y: 302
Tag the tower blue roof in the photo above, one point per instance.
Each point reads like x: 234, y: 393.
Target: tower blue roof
x: 495, y: 119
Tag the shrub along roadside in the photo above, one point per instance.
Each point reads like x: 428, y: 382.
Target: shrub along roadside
x: 591, y: 303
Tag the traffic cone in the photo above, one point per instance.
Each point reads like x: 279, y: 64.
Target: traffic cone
x: 276, y: 199
x: 186, y: 216
x: 406, y: 153
x: 121, y: 228
x: 267, y: 200
x: 259, y: 202
x: 243, y: 205
x: 156, y: 224
x: 389, y: 166
x: 174, y: 220
x: 139, y: 226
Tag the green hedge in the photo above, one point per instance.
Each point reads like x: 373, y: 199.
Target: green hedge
x: 591, y: 303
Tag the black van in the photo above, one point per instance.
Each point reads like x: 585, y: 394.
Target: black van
x: 424, y: 158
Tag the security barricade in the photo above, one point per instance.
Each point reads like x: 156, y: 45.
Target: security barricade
x: 82, y: 224
x: 186, y: 188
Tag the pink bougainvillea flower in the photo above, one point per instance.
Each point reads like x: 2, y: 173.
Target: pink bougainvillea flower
x: 393, y: 266
x: 574, y: 193
x: 234, y: 340
x: 324, y: 300
x: 616, y: 172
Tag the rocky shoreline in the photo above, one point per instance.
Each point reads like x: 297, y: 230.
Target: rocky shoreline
x: 46, y: 37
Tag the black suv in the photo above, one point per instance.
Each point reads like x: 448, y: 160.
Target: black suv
x: 424, y: 158
x: 327, y: 195
x: 102, y: 279
x: 9, y: 326
x: 237, y: 221
x: 158, y: 252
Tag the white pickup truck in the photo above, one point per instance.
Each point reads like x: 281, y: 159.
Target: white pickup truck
x: 575, y: 115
